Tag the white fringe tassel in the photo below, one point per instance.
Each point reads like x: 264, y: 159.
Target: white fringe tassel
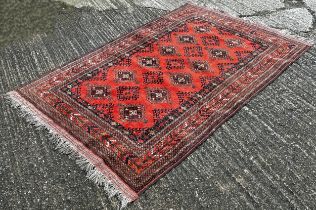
x: 65, y: 147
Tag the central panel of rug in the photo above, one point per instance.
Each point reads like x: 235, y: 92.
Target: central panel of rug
x: 139, y: 105
x: 139, y: 93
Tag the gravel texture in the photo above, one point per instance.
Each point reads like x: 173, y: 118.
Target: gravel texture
x: 262, y: 158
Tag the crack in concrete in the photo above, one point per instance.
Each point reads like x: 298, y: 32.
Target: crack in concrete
x: 263, y: 13
x: 288, y: 6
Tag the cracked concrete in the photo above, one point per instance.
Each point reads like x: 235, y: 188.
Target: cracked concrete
x: 292, y: 15
x: 298, y: 19
x: 98, y: 4
x: 258, y: 6
x: 245, y: 7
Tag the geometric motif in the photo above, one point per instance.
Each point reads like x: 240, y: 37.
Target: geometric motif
x: 105, y: 110
x: 149, y: 62
x: 158, y: 114
x: 181, y: 28
x: 187, y: 39
x: 127, y: 93
x: 166, y: 70
x: 153, y: 77
x: 199, y: 66
x: 132, y: 112
x: 218, y: 54
x: 167, y: 50
x: 183, y: 96
x: 202, y: 28
x: 233, y: 43
x: 194, y: 51
x: 175, y: 64
x: 124, y: 62
x: 100, y: 91
x: 124, y: 76
x: 148, y: 48
x: 158, y: 95
x: 210, y: 40
x: 205, y: 80
x: 181, y: 78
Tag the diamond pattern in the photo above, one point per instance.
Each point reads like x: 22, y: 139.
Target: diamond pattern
x: 161, y: 75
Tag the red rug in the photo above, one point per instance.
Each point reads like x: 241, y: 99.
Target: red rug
x: 135, y: 108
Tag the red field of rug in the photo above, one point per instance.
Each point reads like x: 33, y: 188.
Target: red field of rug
x: 139, y: 105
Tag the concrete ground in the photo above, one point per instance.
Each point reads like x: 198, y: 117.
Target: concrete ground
x: 262, y: 158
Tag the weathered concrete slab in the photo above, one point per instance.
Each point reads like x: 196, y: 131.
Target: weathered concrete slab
x: 96, y: 4
x: 160, y: 4
x: 261, y: 6
x: 99, y: 4
x: 298, y: 19
x: 250, y: 7
x: 311, y: 4
x: 244, y: 7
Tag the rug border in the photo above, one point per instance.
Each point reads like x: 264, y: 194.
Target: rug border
x: 96, y: 170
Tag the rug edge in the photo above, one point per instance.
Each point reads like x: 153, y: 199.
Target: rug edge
x: 106, y: 179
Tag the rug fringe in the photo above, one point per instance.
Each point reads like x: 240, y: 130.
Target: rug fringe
x: 66, y: 147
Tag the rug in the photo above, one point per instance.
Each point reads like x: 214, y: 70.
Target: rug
x: 135, y: 108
